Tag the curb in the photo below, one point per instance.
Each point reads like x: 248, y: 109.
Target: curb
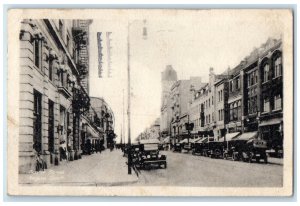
x: 96, y: 184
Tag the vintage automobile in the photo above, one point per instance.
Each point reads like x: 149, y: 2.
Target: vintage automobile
x: 149, y: 156
x: 177, y: 147
x: 255, y: 149
x: 233, y: 149
x: 215, y: 149
x: 199, y: 146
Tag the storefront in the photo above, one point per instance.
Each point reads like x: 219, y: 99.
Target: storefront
x: 272, y: 131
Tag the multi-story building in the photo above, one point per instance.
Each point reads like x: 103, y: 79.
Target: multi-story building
x: 106, y: 120
x: 52, y: 99
x: 270, y: 121
x: 181, y: 97
x: 81, y: 51
x: 221, y: 105
x: 235, y: 100
x: 168, y: 78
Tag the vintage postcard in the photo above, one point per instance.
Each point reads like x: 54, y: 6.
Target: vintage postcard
x: 158, y: 102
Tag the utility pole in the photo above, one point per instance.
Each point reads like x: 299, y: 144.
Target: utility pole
x: 128, y: 110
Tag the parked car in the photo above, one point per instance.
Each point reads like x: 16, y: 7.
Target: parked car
x: 199, y: 147
x: 177, y: 147
x: 150, y: 157
x: 187, y: 146
x: 255, y: 149
x: 233, y: 149
x: 215, y: 149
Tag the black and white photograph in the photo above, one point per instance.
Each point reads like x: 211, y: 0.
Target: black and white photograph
x: 146, y: 102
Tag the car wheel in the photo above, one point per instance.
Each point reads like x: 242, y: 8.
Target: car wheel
x: 257, y: 160
x: 165, y: 165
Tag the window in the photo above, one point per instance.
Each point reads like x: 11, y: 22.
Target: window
x: 237, y: 84
x: 277, y: 102
x: 221, y: 95
x: 278, y: 67
x: 62, y: 117
x: 37, y: 121
x: 37, y: 52
x: 68, y: 44
x: 50, y: 69
x: 266, y: 104
x: 231, y: 112
x: 239, y: 110
x: 231, y: 86
x: 51, y: 127
x: 60, y: 27
x: 266, y: 72
x: 256, y: 76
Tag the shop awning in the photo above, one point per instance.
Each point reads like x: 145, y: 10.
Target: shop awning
x: 195, y: 140
x: 270, y: 122
x: 184, y: 141
x: 91, y: 133
x: 247, y: 136
x: 230, y: 136
x: 203, y: 140
x: 166, y: 140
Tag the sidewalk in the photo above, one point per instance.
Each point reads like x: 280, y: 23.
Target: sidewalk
x: 277, y: 161
x: 105, y: 169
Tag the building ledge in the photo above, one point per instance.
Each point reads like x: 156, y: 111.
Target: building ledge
x: 64, y: 91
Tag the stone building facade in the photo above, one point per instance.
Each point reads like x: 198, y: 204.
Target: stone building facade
x: 52, y: 99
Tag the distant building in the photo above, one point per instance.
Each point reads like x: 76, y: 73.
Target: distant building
x: 106, y: 122
x: 169, y: 77
x: 181, y: 96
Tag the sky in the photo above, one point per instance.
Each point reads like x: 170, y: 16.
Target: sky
x: 191, y: 41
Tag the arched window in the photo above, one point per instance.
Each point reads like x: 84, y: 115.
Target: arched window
x: 277, y: 66
x: 266, y: 70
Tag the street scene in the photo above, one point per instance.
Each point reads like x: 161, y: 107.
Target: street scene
x: 152, y: 101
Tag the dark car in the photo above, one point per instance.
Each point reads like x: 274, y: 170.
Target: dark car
x: 234, y: 149
x: 199, y: 146
x: 177, y: 147
x: 150, y: 157
x: 215, y: 149
x: 255, y: 149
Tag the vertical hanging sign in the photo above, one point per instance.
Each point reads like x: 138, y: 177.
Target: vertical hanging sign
x: 108, y: 44
x: 100, y: 55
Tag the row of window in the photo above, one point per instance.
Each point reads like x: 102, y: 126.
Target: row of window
x: 37, y: 122
x: 274, y: 104
x: 234, y: 85
x: 62, y: 75
x: 220, y: 96
x: 267, y: 73
x: 221, y: 114
x: 208, y: 103
x: 235, y: 112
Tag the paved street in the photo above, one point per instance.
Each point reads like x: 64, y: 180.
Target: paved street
x: 110, y: 169
x: 188, y: 170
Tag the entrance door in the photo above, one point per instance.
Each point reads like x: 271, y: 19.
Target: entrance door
x: 51, y: 127
x: 37, y: 122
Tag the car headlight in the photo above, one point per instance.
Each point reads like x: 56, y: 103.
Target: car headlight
x: 159, y: 156
x: 148, y: 156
